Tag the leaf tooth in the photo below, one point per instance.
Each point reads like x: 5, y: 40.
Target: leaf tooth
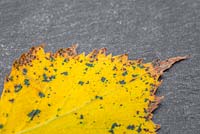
x: 67, y: 52
x: 157, y: 127
x: 102, y: 51
x: 154, y: 104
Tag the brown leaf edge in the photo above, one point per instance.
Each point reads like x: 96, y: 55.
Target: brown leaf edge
x: 156, y: 69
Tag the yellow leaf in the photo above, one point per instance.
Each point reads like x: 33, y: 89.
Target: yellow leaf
x: 70, y: 93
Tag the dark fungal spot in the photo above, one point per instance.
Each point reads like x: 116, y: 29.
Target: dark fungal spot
x: 114, y: 68
x: 64, y: 73
x: 134, y: 75
x: 139, y: 129
x: 55, y: 70
x: 52, y: 77
x: 26, y: 82
x: 140, y: 66
x: 145, y: 110
x: 152, y: 85
x: 98, y: 97
x: 146, y: 99
x: 46, y: 69
x: 130, y: 127
x: 11, y: 100
x: 49, y: 104
x: 111, y: 131
x: 103, y: 79
x: 24, y: 71
x: 48, y: 79
x: 87, y: 82
x: 7, y: 91
x: 147, y: 69
x: 101, y: 107
x: 81, y: 116
x: 45, y: 78
x: 81, y: 83
x: 122, y: 82
x: 5, y: 114
x: 125, y: 73
x: 89, y: 65
x: 41, y: 94
x: 65, y: 60
x: 18, y: 88
x: 114, y: 125
x: 1, y: 126
x: 10, y: 78
x: 33, y: 113
x: 97, y: 72
x: 52, y: 59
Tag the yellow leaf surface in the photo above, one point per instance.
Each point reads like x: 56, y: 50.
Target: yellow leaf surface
x: 70, y: 93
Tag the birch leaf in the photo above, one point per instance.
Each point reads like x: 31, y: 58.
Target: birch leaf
x: 70, y: 93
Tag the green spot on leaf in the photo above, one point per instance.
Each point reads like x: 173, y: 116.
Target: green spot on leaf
x: 64, y: 73
x: 81, y: 116
x: 125, y: 73
x: 130, y: 127
x: 122, y: 82
x: 81, y: 83
x: 139, y: 129
x: 18, y: 88
x: 89, y: 65
x: 25, y: 71
x: 103, y: 79
x: 41, y: 94
x: 1, y: 126
x: 26, y: 82
x: 140, y: 66
x: 48, y: 79
x: 33, y: 113
x: 46, y: 69
x: 99, y: 97
x: 114, y: 125
x: 66, y: 60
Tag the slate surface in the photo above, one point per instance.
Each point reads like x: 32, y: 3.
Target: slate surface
x: 148, y: 29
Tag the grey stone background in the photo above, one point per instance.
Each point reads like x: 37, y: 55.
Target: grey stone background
x: 148, y: 29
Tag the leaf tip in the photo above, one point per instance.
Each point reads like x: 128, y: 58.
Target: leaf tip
x: 162, y: 66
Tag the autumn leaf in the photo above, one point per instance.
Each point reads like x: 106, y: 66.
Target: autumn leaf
x: 70, y: 93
